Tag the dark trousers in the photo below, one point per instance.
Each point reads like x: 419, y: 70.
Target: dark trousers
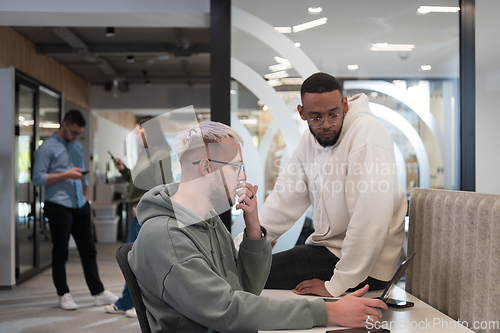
x: 75, y: 221
x: 306, y: 262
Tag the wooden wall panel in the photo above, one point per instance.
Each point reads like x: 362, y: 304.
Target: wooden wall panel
x: 124, y: 119
x: 17, y: 51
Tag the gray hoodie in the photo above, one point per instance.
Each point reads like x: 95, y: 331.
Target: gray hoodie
x: 193, y: 279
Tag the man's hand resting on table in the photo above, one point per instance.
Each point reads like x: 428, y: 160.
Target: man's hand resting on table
x: 352, y: 310
x: 314, y: 286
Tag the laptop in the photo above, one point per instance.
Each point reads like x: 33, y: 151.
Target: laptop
x: 395, y: 279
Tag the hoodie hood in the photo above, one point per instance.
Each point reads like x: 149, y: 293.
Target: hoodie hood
x: 157, y: 202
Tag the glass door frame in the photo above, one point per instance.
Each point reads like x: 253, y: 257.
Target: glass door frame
x: 36, y: 214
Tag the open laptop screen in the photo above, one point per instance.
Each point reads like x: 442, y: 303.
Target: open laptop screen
x: 395, y: 279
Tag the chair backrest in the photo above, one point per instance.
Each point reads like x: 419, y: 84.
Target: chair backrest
x: 457, y: 267
x: 133, y: 286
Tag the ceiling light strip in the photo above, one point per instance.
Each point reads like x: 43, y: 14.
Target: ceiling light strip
x: 437, y: 9
x: 283, y: 30
x: 309, y: 25
x: 392, y: 47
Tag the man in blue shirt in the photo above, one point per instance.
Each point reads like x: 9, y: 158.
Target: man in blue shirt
x: 59, y: 167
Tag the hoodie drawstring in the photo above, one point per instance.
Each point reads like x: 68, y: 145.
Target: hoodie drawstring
x: 222, y: 256
x: 212, y: 251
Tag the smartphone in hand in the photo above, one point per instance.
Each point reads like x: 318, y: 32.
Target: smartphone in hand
x: 112, y: 157
x: 84, y: 172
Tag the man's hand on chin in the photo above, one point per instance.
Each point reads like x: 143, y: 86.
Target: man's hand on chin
x: 248, y: 203
x: 314, y: 286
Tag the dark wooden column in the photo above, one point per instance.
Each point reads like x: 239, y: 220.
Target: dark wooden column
x: 220, y: 69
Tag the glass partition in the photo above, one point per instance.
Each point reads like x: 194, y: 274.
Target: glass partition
x: 402, y: 55
x: 38, y: 111
x: 25, y: 200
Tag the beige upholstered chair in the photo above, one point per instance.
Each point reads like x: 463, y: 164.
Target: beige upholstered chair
x: 456, y: 236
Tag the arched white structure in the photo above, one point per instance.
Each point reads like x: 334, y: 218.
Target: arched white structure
x: 260, y: 88
x: 389, y: 89
x: 411, y: 134
x: 265, y: 32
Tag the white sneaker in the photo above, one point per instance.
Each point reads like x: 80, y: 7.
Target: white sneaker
x: 131, y: 313
x: 105, y: 298
x: 112, y: 308
x: 66, y: 302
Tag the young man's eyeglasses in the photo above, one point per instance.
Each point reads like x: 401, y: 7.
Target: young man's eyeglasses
x: 334, y: 119
x: 240, y: 166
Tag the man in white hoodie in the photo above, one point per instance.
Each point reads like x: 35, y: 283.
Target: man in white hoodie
x: 346, y: 169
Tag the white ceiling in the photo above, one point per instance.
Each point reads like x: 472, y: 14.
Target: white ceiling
x: 352, y: 27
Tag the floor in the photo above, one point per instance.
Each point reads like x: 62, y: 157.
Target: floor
x: 32, y: 306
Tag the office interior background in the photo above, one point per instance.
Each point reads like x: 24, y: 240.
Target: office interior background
x: 432, y: 79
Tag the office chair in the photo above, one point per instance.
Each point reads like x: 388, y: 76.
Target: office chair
x: 133, y: 286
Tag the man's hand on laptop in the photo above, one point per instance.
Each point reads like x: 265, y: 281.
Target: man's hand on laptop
x: 314, y: 286
x: 354, y: 311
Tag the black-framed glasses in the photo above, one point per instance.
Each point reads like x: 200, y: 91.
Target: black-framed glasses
x: 240, y: 166
x: 333, y: 119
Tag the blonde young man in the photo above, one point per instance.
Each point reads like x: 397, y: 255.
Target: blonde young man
x: 191, y: 276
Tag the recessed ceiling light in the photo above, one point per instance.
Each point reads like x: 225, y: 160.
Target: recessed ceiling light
x: 426, y: 67
x: 283, y: 30
x: 314, y: 10
x: 276, y: 75
x: 309, y: 25
x: 130, y: 59
x: 163, y: 57
x: 297, y: 44
x: 352, y: 67
x: 392, y: 47
x: 437, y: 9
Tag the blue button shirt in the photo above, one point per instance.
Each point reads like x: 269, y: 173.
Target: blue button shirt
x: 56, y: 155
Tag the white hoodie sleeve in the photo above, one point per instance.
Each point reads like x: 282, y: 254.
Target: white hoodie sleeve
x: 289, y: 199
x: 369, y: 196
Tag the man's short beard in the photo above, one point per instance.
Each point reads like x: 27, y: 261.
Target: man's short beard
x: 219, y: 194
x: 330, y: 142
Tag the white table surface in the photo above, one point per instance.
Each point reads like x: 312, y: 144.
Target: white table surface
x: 419, y: 318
